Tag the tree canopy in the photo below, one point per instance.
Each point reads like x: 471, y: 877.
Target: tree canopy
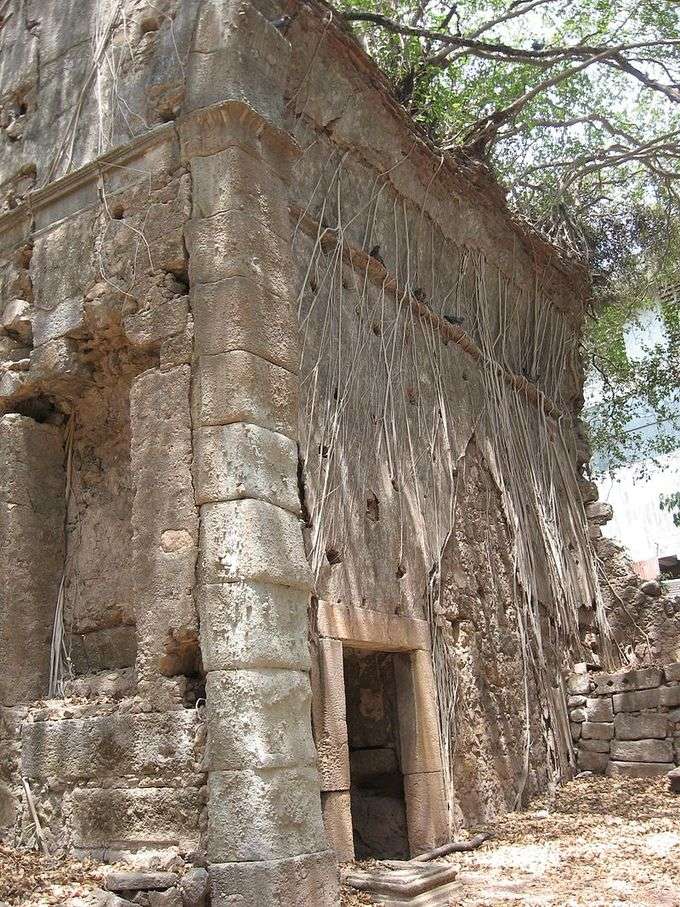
x: 575, y: 105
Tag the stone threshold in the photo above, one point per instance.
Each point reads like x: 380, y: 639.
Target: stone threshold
x: 400, y: 882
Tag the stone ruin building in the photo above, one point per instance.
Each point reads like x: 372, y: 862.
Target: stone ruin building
x: 293, y: 545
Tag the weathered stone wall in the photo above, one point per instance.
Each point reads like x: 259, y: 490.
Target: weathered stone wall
x: 245, y: 309
x: 422, y: 311
x: 626, y: 723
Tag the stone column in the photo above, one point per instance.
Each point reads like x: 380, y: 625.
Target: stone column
x: 266, y: 843
x: 32, y: 505
x: 164, y: 524
x: 329, y: 715
x: 421, y: 763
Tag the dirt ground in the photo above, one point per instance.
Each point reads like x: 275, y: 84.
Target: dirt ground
x: 601, y: 843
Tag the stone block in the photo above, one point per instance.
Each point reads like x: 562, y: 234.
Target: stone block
x: 599, y: 512
x: 233, y: 180
x: 425, y: 811
x: 672, y: 672
x: 597, y: 730
x: 194, y: 887
x: 594, y: 746
x: 245, y: 461
x: 674, y: 780
x: 134, y: 817
x: 329, y: 715
x: 16, y: 320
x: 110, y: 746
x: 157, y: 320
x: 577, y: 716
x: 599, y: 709
x: 101, y: 650
x: 238, y: 314
x: 669, y: 696
x: 259, y: 719
x: 365, y: 628
x: 306, y: 881
x: 575, y: 702
x: 164, y: 522
x: 264, y: 815
x: 31, y: 553
x: 249, y: 625
x: 636, y: 701
x: 252, y: 541
x: 642, y: 750
x: 638, y: 769
x: 575, y: 729
x: 240, y: 387
x: 234, y: 244
x: 337, y: 822
x: 131, y: 880
x: 417, y: 709
x: 67, y: 319
x: 588, y: 761
x: 237, y: 55
x: 637, y: 727
x: 578, y: 684
x: 644, y: 679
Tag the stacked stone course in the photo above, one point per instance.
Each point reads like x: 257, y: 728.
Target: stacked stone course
x: 626, y: 723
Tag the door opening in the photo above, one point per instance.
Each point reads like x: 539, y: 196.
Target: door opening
x: 377, y: 784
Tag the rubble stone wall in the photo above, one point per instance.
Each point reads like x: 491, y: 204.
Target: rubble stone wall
x: 626, y: 723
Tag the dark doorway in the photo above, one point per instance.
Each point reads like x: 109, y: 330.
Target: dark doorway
x: 377, y: 785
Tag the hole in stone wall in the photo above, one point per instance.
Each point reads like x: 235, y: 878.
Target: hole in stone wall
x: 333, y: 555
x: 377, y: 784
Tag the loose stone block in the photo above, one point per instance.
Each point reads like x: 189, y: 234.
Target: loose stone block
x: 238, y: 314
x: 425, y: 811
x: 305, y: 881
x: 249, y: 625
x: 240, y: 387
x: 31, y: 553
x: 638, y: 769
x: 597, y: 731
x: 636, y: 701
x: 259, y: 719
x: 252, y: 541
x: 575, y: 702
x: 642, y: 750
x: 164, y: 521
x: 591, y: 762
x: 140, y: 881
x: 645, y: 679
x: 110, y: 746
x: 128, y: 818
x: 337, y: 821
x: 245, y: 461
x: 599, y: 709
x: 264, y: 815
x: 637, y: 727
x: 578, y: 716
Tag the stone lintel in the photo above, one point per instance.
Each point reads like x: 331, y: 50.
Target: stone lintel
x: 368, y: 629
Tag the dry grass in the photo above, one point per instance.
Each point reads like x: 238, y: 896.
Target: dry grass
x: 29, y: 878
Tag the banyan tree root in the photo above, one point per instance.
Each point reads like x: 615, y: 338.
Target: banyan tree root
x: 453, y: 847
